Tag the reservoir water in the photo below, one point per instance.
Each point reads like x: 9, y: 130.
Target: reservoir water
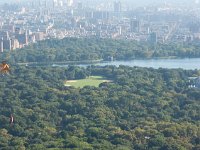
x: 186, y: 63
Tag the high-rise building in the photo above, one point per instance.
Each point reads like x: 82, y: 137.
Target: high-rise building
x: 39, y: 36
x: 55, y: 3
x: 31, y: 38
x: 119, y: 29
x: 22, y: 38
x: 100, y: 15
x: 4, y: 35
x: 45, y: 4
x: 8, y: 27
x: 18, y: 30
x: 117, y: 6
x: 153, y: 38
x: 1, y: 45
x: 70, y: 3
x: 15, y: 44
x: 80, y: 5
x: 7, y: 44
x: 194, y: 27
x: 135, y: 25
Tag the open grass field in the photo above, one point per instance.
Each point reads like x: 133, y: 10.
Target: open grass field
x: 91, y: 81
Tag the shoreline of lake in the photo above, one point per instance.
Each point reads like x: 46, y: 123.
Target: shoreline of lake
x: 183, y: 63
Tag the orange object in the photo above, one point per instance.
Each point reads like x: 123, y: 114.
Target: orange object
x: 4, y: 68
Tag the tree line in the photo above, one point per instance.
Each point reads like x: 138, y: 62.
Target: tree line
x: 81, y: 49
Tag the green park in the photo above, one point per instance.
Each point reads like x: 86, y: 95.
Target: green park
x: 90, y: 81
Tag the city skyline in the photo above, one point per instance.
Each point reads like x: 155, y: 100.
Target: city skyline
x: 26, y: 23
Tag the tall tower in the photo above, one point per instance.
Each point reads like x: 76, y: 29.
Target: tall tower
x: 80, y: 5
x: 153, y: 38
x: 55, y: 3
x: 1, y: 45
x: 117, y: 6
x: 4, y: 35
x: 26, y: 37
x: 135, y: 25
x: 70, y: 3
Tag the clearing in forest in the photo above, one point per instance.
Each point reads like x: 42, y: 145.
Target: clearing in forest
x: 90, y: 81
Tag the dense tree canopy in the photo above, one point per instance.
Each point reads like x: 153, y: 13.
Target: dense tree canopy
x: 74, y: 49
x: 141, y: 109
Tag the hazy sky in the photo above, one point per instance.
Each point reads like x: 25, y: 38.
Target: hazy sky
x: 133, y: 2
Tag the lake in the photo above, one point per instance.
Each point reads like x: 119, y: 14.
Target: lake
x: 186, y: 63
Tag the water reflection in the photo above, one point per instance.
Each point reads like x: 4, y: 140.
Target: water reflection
x: 187, y: 63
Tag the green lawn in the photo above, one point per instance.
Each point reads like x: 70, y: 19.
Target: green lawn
x: 91, y: 81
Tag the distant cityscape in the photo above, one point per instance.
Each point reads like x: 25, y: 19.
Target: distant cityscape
x: 36, y: 20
